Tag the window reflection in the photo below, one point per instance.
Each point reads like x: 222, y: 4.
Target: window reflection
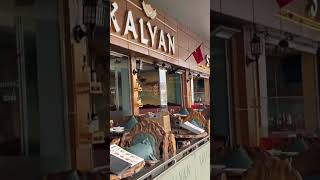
x: 119, y: 84
x: 285, y: 94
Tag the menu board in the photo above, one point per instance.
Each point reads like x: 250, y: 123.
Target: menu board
x: 122, y: 154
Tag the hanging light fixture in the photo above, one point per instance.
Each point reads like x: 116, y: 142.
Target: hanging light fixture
x: 255, y: 42
x: 284, y: 43
x: 94, y: 13
x: 138, y: 67
x: 190, y: 76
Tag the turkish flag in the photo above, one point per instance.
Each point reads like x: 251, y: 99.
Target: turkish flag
x: 283, y: 3
x: 197, y: 54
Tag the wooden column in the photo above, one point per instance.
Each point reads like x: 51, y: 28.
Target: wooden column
x: 238, y: 73
x: 207, y: 91
x: 253, y: 93
x: 309, y: 91
x: 134, y: 87
x: 186, y: 89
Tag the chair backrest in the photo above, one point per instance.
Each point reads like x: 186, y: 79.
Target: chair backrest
x: 161, y: 138
x: 272, y: 168
x: 197, y: 116
x: 307, y: 162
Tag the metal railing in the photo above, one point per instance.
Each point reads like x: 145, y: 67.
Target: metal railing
x: 172, y: 161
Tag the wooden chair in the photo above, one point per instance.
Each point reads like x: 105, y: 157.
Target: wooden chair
x: 206, y: 111
x: 272, y: 168
x: 307, y: 162
x: 257, y: 154
x: 165, y: 145
x: 199, y: 118
x: 116, y: 141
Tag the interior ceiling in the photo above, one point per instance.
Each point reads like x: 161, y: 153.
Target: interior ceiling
x: 194, y: 14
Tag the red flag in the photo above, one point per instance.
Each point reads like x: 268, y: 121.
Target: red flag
x: 283, y: 3
x: 197, y: 54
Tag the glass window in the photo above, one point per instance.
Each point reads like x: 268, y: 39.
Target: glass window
x: 120, y: 84
x: 174, y: 89
x: 149, y: 81
x: 201, y: 91
x: 285, y: 90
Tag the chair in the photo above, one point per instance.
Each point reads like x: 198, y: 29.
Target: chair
x: 164, y: 144
x: 307, y: 162
x: 199, y: 118
x: 272, y: 168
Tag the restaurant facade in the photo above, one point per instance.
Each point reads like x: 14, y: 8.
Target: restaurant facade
x: 153, y: 72
x: 155, y: 61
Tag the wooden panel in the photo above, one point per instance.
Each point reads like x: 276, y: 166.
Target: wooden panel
x: 207, y: 91
x: 119, y: 42
x: 183, y: 54
x: 157, y: 55
x: 239, y: 90
x: 138, y: 48
x: 84, y: 158
x: 183, y: 41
